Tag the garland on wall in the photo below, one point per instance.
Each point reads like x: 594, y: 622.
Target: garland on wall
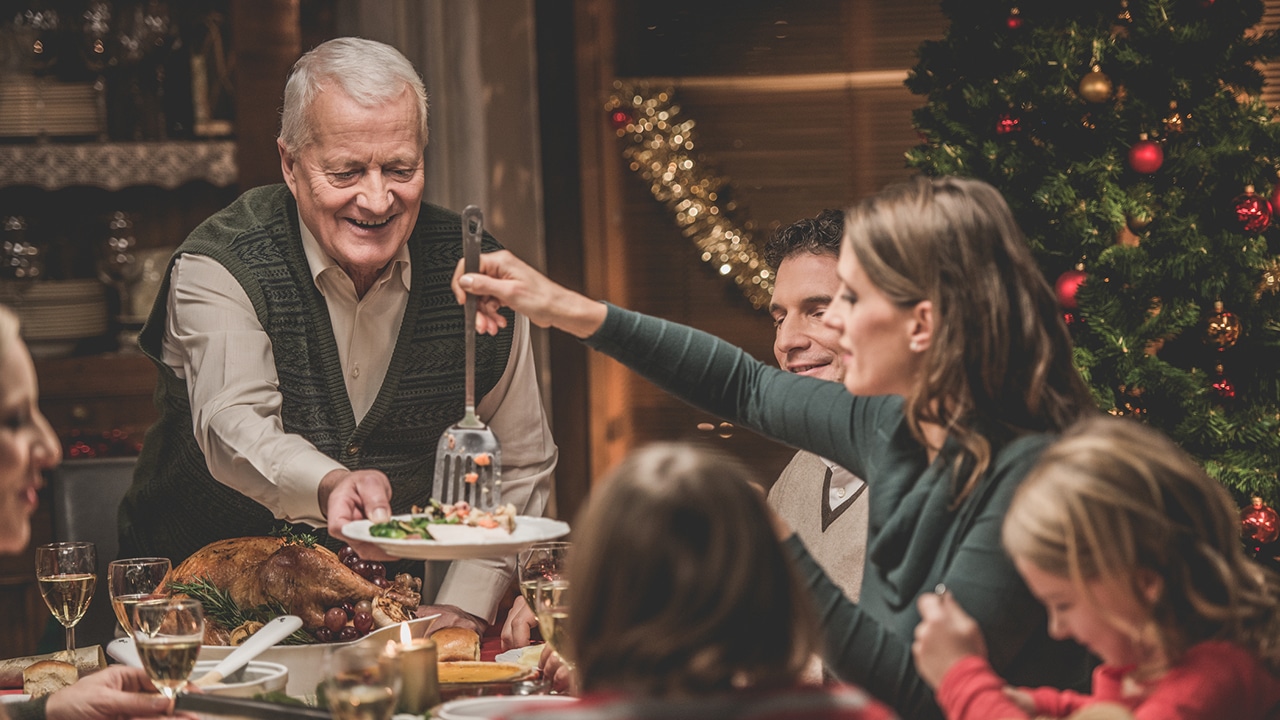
x: 659, y: 144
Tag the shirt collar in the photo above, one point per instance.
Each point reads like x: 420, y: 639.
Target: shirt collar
x: 319, y: 262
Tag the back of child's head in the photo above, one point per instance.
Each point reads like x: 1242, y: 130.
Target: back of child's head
x: 679, y: 586
x: 1112, y: 498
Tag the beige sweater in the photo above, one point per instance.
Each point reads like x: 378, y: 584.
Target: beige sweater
x: 800, y: 497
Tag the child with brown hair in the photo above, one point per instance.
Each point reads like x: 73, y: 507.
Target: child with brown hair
x: 683, y: 604
x: 1135, y: 553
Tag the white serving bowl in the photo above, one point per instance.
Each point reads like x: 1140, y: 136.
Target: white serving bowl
x: 256, y: 678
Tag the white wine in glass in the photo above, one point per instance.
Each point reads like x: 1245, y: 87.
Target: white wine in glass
x: 362, y: 682
x: 551, y: 605
x: 132, y: 581
x: 168, y: 636
x: 541, y: 560
x: 66, y: 573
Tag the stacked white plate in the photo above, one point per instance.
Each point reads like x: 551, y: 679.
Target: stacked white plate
x: 56, y: 313
x: 33, y: 106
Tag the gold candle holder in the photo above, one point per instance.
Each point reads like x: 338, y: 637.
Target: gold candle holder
x: 421, y: 688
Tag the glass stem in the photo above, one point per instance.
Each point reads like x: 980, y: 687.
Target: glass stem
x: 71, y: 639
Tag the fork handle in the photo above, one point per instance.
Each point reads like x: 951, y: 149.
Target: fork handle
x: 472, y: 228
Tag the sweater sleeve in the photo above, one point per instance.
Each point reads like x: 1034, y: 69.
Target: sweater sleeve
x: 710, y: 374
x: 971, y: 690
x: 859, y: 649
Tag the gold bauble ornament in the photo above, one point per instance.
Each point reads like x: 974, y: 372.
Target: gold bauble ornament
x: 1095, y: 86
x: 1224, y: 328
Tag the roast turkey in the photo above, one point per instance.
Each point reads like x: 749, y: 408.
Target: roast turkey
x: 304, y: 580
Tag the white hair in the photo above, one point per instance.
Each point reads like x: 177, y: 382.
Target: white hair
x: 367, y: 71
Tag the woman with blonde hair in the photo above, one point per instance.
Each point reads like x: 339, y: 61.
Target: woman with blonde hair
x: 682, y: 604
x: 957, y: 374
x: 1136, y: 554
x: 27, y: 448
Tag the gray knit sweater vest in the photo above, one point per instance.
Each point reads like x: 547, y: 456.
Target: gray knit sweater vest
x: 175, y: 506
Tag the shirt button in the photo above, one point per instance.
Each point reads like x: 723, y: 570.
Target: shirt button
x: 355, y: 371
x: 353, y: 449
x: 839, y: 492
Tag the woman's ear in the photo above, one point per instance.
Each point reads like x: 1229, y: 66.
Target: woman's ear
x: 920, y: 328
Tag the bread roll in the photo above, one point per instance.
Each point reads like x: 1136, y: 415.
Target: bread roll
x: 40, y: 679
x: 456, y: 644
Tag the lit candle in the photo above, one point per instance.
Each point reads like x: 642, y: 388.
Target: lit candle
x: 421, y: 688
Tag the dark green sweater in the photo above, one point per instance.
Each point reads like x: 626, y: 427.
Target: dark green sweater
x: 914, y: 541
x: 175, y: 506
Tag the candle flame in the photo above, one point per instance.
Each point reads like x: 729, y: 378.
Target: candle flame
x: 405, y: 637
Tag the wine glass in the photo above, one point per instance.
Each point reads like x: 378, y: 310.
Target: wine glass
x: 541, y: 560
x: 133, y: 581
x: 168, y: 636
x: 362, y: 681
x: 66, y: 572
x: 551, y: 605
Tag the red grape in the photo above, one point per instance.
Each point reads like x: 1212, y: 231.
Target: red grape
x: 348, y: 633
x: 364, y: 606
x: 381, y: 582
x: 323, y: 634
x: 349, y: 609
x: 335, y: 619
x: 363, y: 622
x: 376, y: 569
x: 346, y: 553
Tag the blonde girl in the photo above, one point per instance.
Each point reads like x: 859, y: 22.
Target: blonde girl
x: 1135, y: 553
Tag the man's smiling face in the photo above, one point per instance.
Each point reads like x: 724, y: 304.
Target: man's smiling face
x: 359, y: 183
x: 805, y: 285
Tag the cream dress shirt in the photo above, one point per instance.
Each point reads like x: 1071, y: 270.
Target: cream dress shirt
x: 212, y: 328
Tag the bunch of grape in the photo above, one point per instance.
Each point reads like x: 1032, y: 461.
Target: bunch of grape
x: 346, y: 623
x: 351, y: 621
x: 374, y: 572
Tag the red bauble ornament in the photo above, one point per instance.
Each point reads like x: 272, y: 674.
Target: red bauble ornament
x: 1008, y: 123
x: 1259, y: 524
x: 1014, y: 21
x: 1222, y: 385
x: 620, y: 119
x: 1253, y: 211
x: 1145, y: 156
x: 1067, y: 286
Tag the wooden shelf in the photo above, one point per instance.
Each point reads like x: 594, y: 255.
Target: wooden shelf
x: 115, y: 166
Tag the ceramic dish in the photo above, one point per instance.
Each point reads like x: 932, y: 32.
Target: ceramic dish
x: 529, y: 530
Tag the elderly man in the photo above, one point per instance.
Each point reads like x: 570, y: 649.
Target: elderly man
x: 309, y: 349
x: 825, y: 503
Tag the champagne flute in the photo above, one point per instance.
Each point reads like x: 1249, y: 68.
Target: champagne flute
x: 66, y: 572
x: 362, y: 681
x: 551, y: 605
x: 541, y: 560
x: 133, y: 581
x: 168, y: 636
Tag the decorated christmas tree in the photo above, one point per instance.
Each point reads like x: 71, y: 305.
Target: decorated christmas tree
x: 1131, y: 142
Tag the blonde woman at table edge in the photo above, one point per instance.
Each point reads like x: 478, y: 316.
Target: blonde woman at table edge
x: 28, y: 447
x: 682, y: 604
x: 958, y: 373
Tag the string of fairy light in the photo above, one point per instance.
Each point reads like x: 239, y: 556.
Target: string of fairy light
x: 660, y: 143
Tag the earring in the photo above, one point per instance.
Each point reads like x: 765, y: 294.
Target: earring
x: 915, y: 346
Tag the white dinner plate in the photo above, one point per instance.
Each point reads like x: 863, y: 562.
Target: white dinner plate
x: 529, y: 530
x: 483, y: 708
